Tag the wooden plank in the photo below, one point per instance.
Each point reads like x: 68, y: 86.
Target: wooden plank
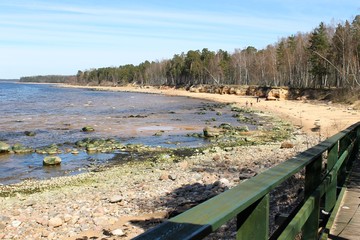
x: 347, y: 220
x: 312, y: 181
x: 312, y: 176
x: 253, y: 223
x: 330, y: 197
x: 311, y: 226
x: 329, y: 224
x: 299, y: 220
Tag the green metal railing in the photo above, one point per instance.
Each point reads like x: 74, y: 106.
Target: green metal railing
x: 249, y: 201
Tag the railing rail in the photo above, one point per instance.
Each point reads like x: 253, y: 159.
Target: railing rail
x: 249, y: 201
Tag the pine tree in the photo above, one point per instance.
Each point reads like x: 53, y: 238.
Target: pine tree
x: 319, y: 46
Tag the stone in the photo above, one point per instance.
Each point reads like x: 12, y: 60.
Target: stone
x: 164, y: 176
x: 211, y: 132
x: 16, y: 223
x: 19, y: 148
x: 51, y: 235
x: 67, y: 217
x: 115, y: 199
x: 30, y: 133
x: 74, y: 219
x: 4, y: 147
x: 4, y: 218
x: 55, y: 222
x: 287, y: 145
x: 74, y: 151
x: 2, y: 226
x: 172, y: 177
x: 30, y: 203
x: 42, y: 221
x: 52, y: 160
x: 45, y: 233
x: 88, y: 129
x: 197, y: 176
x: 216, y: 157
x: 118, y: 232
x: 183, y: 165
x: 246, y: 175
x: 101, y: 221
x: 223, y: 183
x: 159, y: 133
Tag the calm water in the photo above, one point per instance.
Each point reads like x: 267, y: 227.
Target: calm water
x: 57, y: 115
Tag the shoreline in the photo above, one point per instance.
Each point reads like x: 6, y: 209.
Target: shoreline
x: 322, y: 119
x: 135, y: 196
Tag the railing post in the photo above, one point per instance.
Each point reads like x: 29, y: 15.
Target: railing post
x: 330, y: 195
x: 343, y: 145
x: 357, y: 143
x: 253, y: 223
x: 312, y: 181
x: 311, y: 226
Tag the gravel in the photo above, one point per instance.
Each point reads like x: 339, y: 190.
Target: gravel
x: 124, y: 201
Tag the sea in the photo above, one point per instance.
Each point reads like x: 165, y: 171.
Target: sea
x: 56, y: 115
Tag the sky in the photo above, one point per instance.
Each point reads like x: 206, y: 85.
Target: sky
x: 42, y: 37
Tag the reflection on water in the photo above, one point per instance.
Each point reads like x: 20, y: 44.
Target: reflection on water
x: 57, y: 115
x: 15, y: 168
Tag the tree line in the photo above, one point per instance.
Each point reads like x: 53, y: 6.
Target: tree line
x: 329, y: 56
x: 49, y: 79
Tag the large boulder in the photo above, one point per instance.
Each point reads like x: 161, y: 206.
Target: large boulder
x: 51, y: 160
x: 4, y: 147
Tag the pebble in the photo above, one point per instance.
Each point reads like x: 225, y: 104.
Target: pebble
x: 164, y: 176
x: 30, y: 203
x: 55, y: 222
x: 2, y: 226
x: 45, y: 233
x: 131, y: 190
x: 115, y: 199
x: 118, y: 232
x: 4, y: 218
x: 43, y: 221
x: 216, y: 157
x: 67, y: 217
x: 172, y: 177
x: 183, y: 165
x: 101, y: 221
x: 16, y: 223
x: 223, y: 182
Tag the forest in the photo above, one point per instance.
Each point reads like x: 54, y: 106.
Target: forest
x: 49, y: 79
x: 327, y: 57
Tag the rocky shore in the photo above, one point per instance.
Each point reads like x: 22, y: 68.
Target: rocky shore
x: 123, y: 201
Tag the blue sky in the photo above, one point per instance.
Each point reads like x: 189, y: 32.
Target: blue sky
x: 39, y: 37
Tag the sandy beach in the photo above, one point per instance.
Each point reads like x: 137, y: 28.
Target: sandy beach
x: 122, y: 202
x: 314, y: 117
